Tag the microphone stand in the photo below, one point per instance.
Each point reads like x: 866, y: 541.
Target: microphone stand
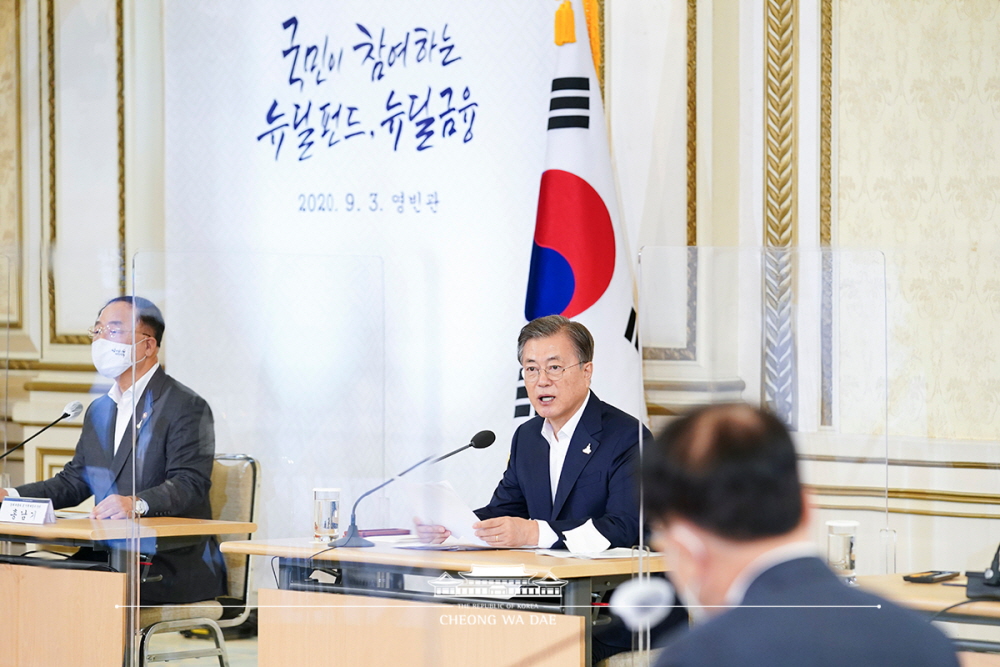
x: 352, y: 538
x: 460, y: 449
x: 32, y: 437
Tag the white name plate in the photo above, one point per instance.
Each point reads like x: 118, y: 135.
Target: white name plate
x: 27, y: 510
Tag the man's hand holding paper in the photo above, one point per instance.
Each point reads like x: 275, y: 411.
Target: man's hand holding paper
x: 441, y: 513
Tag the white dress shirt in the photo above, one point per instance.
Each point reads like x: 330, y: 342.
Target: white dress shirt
x: 124, y: 403
x: 586, y: 535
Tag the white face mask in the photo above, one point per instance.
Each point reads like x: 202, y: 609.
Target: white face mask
x: 643, y: 602
x: 689, y: 591
x: 111, y: 359
x: 688, y: 595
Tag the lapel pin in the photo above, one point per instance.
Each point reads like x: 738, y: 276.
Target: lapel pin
x: 586, y: 450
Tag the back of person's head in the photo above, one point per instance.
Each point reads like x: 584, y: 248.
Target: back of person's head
x: 551, y: 325
x: 729, y: 469
x: 146, y: 312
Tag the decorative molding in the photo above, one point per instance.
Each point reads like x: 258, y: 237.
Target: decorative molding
x: 826, y: 210
x: 27, y: 423
x: 911, y: 512
x: 17, y: 271
x: 907, y: 494
x: 67, y: 387
x: 701, y: 386
x: 599, y: 11
x: 657, y: 410
x: 46, y: 468
x: 690, y: 351
x: 120, y: 76
x: 692, y: 124
x: 826, y: 124
x: 50, y: 68
x: 913, y: 463
x: 14, y: 276
x: 35, y: 365
x: 778, y: 354
x: 50, y: 57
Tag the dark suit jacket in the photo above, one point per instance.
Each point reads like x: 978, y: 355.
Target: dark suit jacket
x: 814, y: 636
x: 175, y: 449
x: 600, y: 485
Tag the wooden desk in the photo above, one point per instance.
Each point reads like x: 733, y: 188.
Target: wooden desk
x: 62, y: 616
x: 110, y: 532
x: 94, y: 530
x: 375, y: 618
x: 932, y: 599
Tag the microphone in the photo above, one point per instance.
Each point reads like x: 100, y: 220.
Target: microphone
x: 481, y: 440
x: 642, y: 603
x: 71, y: 411
x: 352, y: 538
x: 991, y: 576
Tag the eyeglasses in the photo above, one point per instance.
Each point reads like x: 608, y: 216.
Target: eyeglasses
x: 552, y: 371
x: 112, y: 333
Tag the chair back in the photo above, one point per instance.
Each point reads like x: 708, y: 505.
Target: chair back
x: 234, y: 498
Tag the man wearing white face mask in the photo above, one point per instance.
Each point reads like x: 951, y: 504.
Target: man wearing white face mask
x: 723, y: 492
x: 174, y: 444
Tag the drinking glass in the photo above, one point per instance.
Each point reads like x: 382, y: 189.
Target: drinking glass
x: 840, y: 539
x: 326, y: 514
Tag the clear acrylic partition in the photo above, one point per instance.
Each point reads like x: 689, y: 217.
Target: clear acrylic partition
x: 8, y: 307
x: 801, y: 332
x: 288, y: 351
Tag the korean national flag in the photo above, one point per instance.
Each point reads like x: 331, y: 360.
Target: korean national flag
x: 579, y: 263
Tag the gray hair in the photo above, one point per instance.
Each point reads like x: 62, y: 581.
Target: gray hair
x: 550, y: 325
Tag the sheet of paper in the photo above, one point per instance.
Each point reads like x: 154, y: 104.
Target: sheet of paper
x: 451, y: 544
x: 438, y: 504
x: 617, y: 552
x: 394, y: 539
x: 585, y: 539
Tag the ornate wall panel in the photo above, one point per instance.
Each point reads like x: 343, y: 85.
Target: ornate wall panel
x: 778, y: 355
x: 826, y: 209
x: 653, y: 114
x: 687, y: 351
x: 692, y: 124
x: 918, y: 144
x: 10, y: 162
x: 84, y: 162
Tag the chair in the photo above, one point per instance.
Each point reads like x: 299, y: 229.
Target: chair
x: 235, y: 482
x: 633, y: 659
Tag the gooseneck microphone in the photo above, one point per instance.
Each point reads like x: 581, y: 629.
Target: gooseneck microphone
x: 642, y: 603
x: 352, y: 538
x: 71, y: 411
x: 481, y: 440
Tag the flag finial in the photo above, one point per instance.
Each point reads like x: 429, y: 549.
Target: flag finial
x: 565, y: 28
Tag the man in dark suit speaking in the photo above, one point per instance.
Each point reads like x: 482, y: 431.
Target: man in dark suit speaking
x: 570, y: 480
x: 571, y: 477
x: 723, y: 493
x: 174, y: 452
